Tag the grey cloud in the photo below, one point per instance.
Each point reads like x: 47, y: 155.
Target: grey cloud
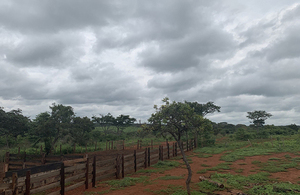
x: 105, y: 84
x: 17, y: 84
x: 191, y: 51
x: 46, y: 50
x: 174, y: 83
x: 285, y: 48
x: 45, y: 16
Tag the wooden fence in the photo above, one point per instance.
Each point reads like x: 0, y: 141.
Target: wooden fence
x: 21, y: 160
x: 60, y: 177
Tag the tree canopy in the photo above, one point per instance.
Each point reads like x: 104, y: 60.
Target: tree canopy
x: 258, y: 117
x: 13, y: 123
x: 176, y: 119
x: 50, y: 126
x: 204, y: 109
x: 120, y: 122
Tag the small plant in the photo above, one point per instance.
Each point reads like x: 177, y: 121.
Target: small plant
x: 239, y: 170
x: 169, y: 177
x: 127, y: 181
x: 205, y: 165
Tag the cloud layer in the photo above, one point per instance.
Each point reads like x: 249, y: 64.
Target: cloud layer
x: 124, y: 57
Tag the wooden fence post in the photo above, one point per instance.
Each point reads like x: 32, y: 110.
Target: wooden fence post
x: 175, y: 148
x: 168, y: 147
x: 123, y: 168
x: 27, y: 183
x: 87, y: 174
x: 162, y: 153
x: 182, y: 146
x: 6, y: 165
x: 43, y: 158
x: 134, y: 155
x: 159, y: 153
x: 94, y: 172
x: 62, y: 179
x: 167, y: 142
x: 24, y: 161
x: 148, y: 157
x: 15, y: 183
x: 173, y: 152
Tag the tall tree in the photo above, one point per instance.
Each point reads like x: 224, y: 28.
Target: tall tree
x: 13, y: 123
x: 105, y: 122
x: 204, y: 109
x: 123, y: 121
x: 43, y: 129
x: 81, y: 127
x: 258, y: 117
x: 176, y: 119
x: 50, y: 126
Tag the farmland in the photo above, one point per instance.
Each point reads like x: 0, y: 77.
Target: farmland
x: 250, y: 167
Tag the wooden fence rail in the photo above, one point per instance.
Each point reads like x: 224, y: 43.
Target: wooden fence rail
x: 60, y: 177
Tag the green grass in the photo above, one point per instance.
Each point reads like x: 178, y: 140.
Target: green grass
x: 161, y: 166
x: 170, y: 177
x: 239, y: 170
x: 127, y: 181
x: 240, y: 182
x: 168, y: 164
x: 175, y: 190
x: 205, y: 165
x: 276, y: 189
x: 206, y: 187
x: 220, y: 167
x: 219, y: 148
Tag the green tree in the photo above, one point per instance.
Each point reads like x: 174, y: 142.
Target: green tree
x: 50, y: 126
x: 105, y: 122
x: 122, y: 121
x: 43, y: 129
x: 13, y: 123
x: 204, y: 109
x: 258, y: 117
x: 176, y: 119
x: 80, y: 130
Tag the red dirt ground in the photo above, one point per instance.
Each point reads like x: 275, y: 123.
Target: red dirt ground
x: 292, y: 176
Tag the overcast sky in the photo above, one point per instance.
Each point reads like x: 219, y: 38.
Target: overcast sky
x: 122, y: 57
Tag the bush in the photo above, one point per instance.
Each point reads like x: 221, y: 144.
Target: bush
x: 240, y: 134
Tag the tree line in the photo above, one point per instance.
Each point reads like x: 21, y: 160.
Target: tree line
x: 178, y: 120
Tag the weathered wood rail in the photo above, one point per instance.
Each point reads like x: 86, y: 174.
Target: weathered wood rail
x: 60, y: 177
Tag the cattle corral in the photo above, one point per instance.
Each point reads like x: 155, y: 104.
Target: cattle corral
x: 69, y: 172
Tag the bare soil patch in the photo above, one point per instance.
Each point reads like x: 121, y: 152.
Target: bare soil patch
x: 242, y: 167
